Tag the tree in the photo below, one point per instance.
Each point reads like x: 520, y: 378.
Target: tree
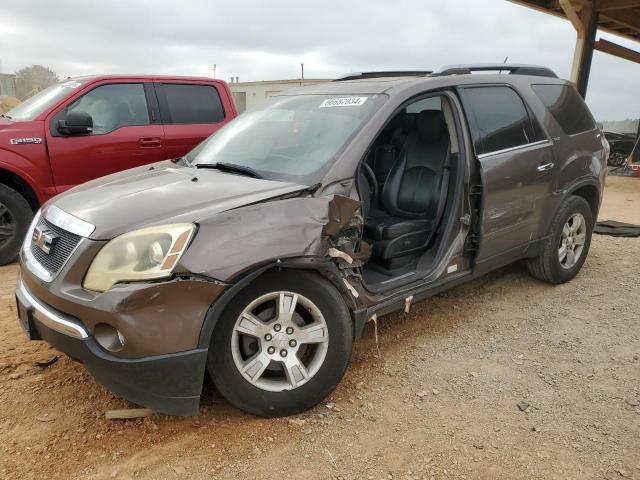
x: 31, y: 80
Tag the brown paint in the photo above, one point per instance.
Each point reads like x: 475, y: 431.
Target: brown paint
x: 155, y: 317
x: 341, y: 212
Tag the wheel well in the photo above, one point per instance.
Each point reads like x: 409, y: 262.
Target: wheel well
x: 221, y: 304
x: 591, y: 195
x: 14, y: 181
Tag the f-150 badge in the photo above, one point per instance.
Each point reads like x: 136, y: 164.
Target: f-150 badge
x: 25, y: 140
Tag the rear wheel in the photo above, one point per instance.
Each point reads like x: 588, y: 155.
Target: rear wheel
x: 15, y: 218
x: 565, y: 251
x: 282, y: 345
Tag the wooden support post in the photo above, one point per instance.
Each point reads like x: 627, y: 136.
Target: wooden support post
x: 584, y: 18
x: 636, y: 153
x: 586, y: 56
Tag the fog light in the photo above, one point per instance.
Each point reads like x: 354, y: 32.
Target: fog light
x: 108, y: 337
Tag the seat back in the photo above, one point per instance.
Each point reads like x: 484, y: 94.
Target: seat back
x: 412, y: 188
x: 386, y: 153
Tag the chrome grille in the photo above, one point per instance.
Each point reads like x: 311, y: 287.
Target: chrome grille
x: 64, y: 246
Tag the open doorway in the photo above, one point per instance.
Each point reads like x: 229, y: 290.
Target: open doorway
x: 406, y: 183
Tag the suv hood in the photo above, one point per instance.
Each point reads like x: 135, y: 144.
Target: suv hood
x: 163, y: 193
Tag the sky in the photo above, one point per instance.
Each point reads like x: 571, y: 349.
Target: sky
x: 267, y: 40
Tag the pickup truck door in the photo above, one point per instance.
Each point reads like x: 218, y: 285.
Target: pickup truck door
x: 190, y: 113
x: 517, y: 169
x: 126, y: 134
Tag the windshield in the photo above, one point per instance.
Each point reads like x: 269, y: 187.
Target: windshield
x: 34, y: 106
x: 289, y: 138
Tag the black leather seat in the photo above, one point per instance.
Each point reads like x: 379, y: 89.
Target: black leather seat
x: 385, y: 154
x: 411, y: 196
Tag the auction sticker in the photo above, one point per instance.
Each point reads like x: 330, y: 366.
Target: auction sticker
x: 343, y: 102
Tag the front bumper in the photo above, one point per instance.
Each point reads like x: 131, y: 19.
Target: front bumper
x: 169, y: 384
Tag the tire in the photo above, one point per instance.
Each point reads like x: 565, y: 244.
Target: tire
x: 15, y: 218
x: 548, y: 266
x: 617, y: 159
x: 278, y: 390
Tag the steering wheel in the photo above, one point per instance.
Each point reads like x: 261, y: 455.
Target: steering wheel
x: 370, y: 178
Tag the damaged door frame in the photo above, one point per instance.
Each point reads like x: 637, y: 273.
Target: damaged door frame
x: 426, y: 277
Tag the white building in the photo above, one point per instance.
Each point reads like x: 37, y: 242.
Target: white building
x: 248, y: 94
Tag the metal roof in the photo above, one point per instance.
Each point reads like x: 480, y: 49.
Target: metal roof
x: 621, y: 17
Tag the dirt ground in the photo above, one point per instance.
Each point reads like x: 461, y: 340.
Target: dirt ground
x: 441, y: 399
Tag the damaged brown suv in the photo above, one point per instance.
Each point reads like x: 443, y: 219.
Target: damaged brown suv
x: 259, y: 256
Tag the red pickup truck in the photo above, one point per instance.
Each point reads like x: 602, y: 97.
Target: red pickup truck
x: 84, y: 128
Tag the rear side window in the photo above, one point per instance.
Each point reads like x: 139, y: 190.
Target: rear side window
x: 191, y: 103
x: 498, y: 119
x: 567, y: 107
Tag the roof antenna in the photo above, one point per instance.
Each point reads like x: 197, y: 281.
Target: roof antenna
x: 505, y: 62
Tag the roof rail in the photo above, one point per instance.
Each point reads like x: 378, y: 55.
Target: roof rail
x: 513, y: 69
x: 393, y: 73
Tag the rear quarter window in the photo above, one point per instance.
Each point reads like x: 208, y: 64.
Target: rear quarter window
x: 185, y: 103
x: 567, y: 107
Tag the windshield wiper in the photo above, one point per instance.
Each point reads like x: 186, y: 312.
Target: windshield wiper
x: 5, y: 116
x: 231, y: 167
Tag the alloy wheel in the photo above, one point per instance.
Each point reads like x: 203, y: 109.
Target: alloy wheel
x: 572, y: 241
x: 279, y: 341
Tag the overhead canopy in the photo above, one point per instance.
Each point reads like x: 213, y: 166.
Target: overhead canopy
x: 621, y: 17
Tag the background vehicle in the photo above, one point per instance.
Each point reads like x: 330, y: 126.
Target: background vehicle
x: 344, y: 201
x: 87, y: 127
x: 621, y: 147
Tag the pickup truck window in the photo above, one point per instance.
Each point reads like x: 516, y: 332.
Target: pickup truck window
x: 191, y: 104
x: 567, y: 107
x: 498, y: 119
x: 113, y: 106
x: 34, y: 106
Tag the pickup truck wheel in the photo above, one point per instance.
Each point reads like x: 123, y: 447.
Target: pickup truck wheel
x: 282, y: 345
x: 565, y: 251
x: 15, y: 218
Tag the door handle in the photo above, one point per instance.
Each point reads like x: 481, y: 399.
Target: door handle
x: 150, y: 142
x: 545, y: 167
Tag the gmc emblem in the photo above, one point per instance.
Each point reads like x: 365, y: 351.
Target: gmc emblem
x: 44, y: 239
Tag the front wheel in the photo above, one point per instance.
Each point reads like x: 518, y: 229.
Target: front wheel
x: 282, y: 345
x: 15, y: 218
x: 566, y: 248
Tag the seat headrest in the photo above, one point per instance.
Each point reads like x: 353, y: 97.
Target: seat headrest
x: 408, y: 122
x: 430, y: 125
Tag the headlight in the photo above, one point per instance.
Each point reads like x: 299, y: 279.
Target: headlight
x: 144, y: 254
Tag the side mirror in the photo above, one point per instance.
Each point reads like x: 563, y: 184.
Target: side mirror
x: 76, y: 123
